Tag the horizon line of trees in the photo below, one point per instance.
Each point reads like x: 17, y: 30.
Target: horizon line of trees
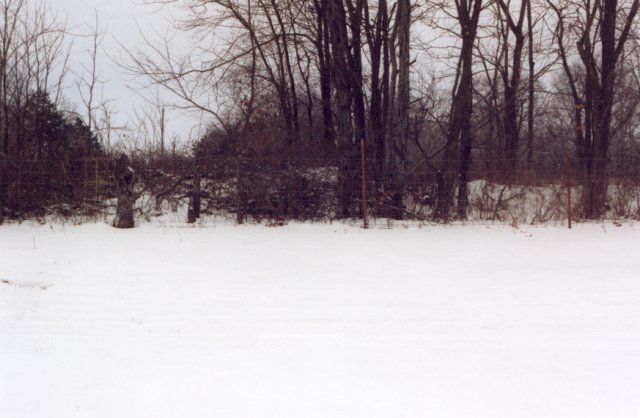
x: 510, y: 89
x: 437, y: 93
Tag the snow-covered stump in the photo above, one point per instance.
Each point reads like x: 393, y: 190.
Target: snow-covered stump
x: 125, y: 178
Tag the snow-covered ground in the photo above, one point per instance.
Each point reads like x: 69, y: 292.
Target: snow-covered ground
x: 323, y: 321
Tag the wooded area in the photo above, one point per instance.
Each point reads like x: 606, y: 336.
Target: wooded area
x: 440, y: 95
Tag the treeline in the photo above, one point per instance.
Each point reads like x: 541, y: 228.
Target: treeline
x: 330, y: 108
x: 441, y: 92
x: 41, y: 146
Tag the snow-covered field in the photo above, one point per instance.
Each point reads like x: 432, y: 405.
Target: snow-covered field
x: 323, y: 321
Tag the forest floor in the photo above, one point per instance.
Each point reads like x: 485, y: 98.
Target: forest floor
x: 325, y: 320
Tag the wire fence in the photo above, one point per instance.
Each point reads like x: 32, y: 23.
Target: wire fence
x: 280, y: 189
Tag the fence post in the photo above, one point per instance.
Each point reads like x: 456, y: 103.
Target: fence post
x: 239, y: 200
x: 569, y: 185
x: 19, y: 189
x: 3, y: 185
x: 96, y: 169
x: 364, y: 185
x: 85, y: 186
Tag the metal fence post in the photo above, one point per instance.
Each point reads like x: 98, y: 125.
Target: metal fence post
x: 364, y: 185
x: 569, y: 185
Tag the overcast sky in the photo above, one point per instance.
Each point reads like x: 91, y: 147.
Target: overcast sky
x: 122, y: 21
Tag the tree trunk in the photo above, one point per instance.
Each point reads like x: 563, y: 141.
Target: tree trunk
x: 531, y: 90
x: 323, y: 48
x: 401, y: 137
x: 459, y: 129
x: 340, y: 50
x: 512, y: 88
x: 193, y: 212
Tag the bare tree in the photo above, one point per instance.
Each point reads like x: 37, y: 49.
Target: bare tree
x: 89, y: 80
x: 458, y: 141
x: 511, y: 76
x: 600, y: 42
x: 400, y: 138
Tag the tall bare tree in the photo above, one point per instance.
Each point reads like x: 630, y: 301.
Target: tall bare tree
x: 511, y: 77
x: 458, y: 140
x: 601, y: 29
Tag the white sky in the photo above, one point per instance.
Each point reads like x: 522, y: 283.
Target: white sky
x: 121, y: 21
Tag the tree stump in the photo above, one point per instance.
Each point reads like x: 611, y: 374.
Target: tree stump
x: 125, y: 178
